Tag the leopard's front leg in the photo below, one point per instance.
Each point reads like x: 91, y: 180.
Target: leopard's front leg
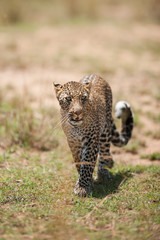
x: 88, y: 160
x: 76, y: 150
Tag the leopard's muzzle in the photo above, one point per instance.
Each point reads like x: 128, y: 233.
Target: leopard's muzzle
x: 76, y: 117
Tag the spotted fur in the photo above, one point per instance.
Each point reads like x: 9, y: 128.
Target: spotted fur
x: 86, y: 110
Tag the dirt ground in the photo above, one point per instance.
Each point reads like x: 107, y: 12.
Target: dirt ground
x: 127, y: 55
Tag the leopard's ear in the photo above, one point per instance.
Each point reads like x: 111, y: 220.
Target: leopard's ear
x: 88, y: 86
x: 57, y: 88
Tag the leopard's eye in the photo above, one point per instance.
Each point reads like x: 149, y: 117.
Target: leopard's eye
x: 69, y: 99
x: 83, y: 99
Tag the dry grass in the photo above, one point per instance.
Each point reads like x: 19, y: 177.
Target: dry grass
x: 20, y: 125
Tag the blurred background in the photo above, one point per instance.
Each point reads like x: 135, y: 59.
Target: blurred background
x: 52, y: 11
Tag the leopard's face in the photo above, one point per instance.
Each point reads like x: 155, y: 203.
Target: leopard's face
x: 73, y: 98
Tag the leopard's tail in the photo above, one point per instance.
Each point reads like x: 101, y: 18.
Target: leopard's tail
x: 123, y: 111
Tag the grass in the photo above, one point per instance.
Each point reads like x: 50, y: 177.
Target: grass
x: 134, y: 145
x: 38, y: 199
x: 154, y: 117
x: 137, y: 121
x: 21, y: 125
x: 36, y: 187
x: 153, y: 134
x: 153, y: 156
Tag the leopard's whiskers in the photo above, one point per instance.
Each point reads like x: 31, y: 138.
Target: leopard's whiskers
x: 65, y: 118
x: 52, y: 131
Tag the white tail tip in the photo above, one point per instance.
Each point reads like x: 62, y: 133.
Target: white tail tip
x: 120, y: 108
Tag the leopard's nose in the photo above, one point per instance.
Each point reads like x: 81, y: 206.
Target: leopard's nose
x: 77, y: 112
x: 77, y: 115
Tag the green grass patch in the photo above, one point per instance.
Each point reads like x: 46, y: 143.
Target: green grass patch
x: 153, y: 156
x: 37, y: 201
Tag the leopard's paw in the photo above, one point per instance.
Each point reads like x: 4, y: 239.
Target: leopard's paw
x: 82, y: 191
x: 103, y: 175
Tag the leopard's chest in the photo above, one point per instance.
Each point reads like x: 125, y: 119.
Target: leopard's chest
x: 81, y: 132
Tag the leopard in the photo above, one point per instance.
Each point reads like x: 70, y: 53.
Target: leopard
x: 86, y: 115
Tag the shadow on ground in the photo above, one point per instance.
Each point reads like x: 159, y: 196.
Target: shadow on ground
x: 111, y: 186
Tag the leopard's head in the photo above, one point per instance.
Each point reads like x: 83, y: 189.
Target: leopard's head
x: 73, y: 98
